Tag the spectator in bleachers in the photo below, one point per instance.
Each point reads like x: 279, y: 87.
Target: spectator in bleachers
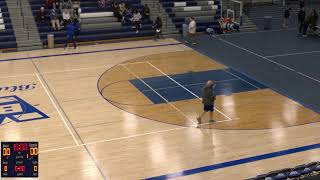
x: 42, y: 16
x: 116, y: 11
x: 122, y: 8
x: 157, y: 26
x: 145, y: 12
x: 127, y: 16
x: 301, y: 18
x: 136, y: 20
x: 57, y: 5
x: 78, y: 14
x: 66, y: 17
x: 70, y: 35
x: 66, y: 4
x: 102, y: 3
x: 48, y: 4
x: 227, y: 25
x: 191, y: 31
x: 76, y: 6
x: 54, y: 20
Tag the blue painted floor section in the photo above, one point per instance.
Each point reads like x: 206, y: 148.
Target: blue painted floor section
x: 228, y: 81
x: 286, y: 82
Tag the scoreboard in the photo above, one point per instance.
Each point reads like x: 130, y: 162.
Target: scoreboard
x: 19, y: 159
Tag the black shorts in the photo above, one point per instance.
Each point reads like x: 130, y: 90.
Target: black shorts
x: 208, y: 108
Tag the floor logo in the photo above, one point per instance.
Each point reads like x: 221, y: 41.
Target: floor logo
x: 26, y: 87
x: 18, y: 110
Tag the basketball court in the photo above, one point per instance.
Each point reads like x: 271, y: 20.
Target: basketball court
x: 128, y: 111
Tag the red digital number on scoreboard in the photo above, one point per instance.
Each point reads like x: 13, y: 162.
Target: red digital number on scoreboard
x: 20, y: 147
x: 20, y: 168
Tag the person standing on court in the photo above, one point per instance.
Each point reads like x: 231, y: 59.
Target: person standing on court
x: 301, y: 18
x: 70, y: 35
x: 208, y: 98
x: 286, y: 17
x: 157, y: 26
x: 191, y: 31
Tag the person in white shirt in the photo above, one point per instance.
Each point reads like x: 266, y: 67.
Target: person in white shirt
x: 65, y: 16
x: 191, y: 31
x: 136, y: 20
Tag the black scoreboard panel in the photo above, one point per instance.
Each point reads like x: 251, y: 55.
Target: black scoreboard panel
x: 19, y: 159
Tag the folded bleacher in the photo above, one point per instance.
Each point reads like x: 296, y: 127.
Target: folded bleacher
x: 96, y: 23
x: 7, y: 37
x: 304, y: 171
x: 205, y: 12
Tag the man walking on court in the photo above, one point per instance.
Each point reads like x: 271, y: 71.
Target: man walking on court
x: 208, y: 98
x: 191, y: 31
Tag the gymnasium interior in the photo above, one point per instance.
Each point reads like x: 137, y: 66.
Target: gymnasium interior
x: 160, y: 89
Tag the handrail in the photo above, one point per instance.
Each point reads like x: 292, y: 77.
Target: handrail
x: 22, y: 15
x: 28, y: 31
x: 166, y: 22
x: 25, y: 26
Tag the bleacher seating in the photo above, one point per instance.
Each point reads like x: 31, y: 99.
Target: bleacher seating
x: 304, y: 171
x: 7, y: 37
x: 96, y: 23
x: 205, y: 12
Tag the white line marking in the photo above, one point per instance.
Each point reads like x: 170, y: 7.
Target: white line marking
x: 52, y: 72
x: 255, y: 32
x: 55, y: 106
x: 217, y: 122
x: 22, y: 75
x: 140, y: 62
x: 114, y: 139
x: 241, y: 79
x: 170, y: 87
x: 186, y: 89
x: 159, y: 95
x: 232, y: 44
x: 77, y: 69
x: 265, y: 58
x: 292, y: 54
x: 308, y: 77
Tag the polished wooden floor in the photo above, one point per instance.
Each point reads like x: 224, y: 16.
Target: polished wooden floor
x: 129, y: 137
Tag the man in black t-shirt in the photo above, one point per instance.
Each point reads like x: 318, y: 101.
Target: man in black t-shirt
x: 208, y: 98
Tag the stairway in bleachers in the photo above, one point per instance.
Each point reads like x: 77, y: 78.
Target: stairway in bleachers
x: 26, y: 33
x: 156, y: 9
x: 206, y: 13
x: 7, y: 38
x: 96, y: 24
